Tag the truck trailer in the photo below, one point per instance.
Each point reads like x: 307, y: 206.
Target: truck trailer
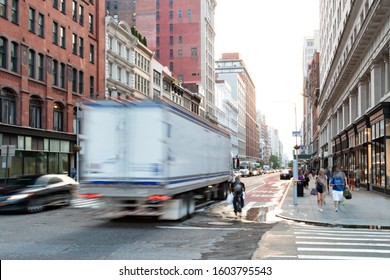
x: 152, y: 158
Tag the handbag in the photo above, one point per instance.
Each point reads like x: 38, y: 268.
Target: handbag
x: 229, y: 198
x: 313, y: 191
x: 346, y: 193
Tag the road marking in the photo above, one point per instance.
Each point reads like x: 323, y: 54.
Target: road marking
x: 317, y: 257
x: 199, y: 228
x: 344, y: 250
x: 342, y: 243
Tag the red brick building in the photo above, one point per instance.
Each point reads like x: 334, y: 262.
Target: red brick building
x: 52, y: 55
x: 181, y: 33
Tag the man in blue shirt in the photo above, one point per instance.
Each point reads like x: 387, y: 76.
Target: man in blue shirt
x: 338, y: 183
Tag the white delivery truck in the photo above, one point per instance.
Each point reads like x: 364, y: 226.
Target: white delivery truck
x: 152, y: 158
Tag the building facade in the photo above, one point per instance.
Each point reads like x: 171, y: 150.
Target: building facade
x: 354, y: 97
x: 181, y: 33
x: 232, y: 65
x: 227, y: 113
x: 51, y: 58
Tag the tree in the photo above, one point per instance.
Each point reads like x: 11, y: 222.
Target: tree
x: 275, y: 162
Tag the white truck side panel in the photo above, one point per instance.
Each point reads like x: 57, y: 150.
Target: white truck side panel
x: 153, y: 144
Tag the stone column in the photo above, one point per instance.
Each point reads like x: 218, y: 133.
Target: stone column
x: 362, y: 104
x: 353, y: 107
x: 375, y: 86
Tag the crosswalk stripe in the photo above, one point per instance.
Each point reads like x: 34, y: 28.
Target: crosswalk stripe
x: 343, y: 250
x: 342, y: 243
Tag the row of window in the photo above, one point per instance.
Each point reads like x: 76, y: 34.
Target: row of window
x: 37, y: 66
x: 77, y: 12
x: 9, y: 112
x: 179, y: 14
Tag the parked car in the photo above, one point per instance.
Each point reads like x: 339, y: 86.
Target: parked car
x: 285, y: 174
x: 33, y: 193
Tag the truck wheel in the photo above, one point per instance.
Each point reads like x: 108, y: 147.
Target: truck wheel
x: 223, y: 191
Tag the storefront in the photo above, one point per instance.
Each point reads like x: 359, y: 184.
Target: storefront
x: 35, y: 152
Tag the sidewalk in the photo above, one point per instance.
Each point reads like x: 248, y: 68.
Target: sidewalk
x: 366, y: 209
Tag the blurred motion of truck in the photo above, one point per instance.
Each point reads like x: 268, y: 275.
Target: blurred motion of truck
x: 152, y: 158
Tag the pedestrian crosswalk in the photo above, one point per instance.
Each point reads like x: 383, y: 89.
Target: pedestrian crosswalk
x: 313, y: 242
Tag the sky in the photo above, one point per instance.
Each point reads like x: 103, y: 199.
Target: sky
x: 269, y: 36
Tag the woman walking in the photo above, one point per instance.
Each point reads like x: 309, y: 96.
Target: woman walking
x: 321, y: 183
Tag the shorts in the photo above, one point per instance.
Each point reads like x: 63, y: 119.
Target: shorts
x: 337, y: 195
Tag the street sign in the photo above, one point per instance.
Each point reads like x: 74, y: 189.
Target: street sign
x: 8, y: 150
x: 296, y: 134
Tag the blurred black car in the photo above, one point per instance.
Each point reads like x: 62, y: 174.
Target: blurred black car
x: 285, y: 174
x: 34, y: 193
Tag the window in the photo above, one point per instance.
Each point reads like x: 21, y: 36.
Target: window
x: 74, y: 80
x: 194, y: 52
x: 31, y: 20
x: 81, y: 82
x: 81, y: 15
x: 92, y: 53
x: 41, y: 25
x: 35, y: 113
x: 171, y: 27
x: 119, y: 74
x: 31, y: 64
x: 7, y: 107
x: 55, y: 4
x: 120, y: 49
x: 171, y: 3
x: 157, y: 41
x: 74, y: 44
x: 63, y: 37
x: 170, y: 14
x: 189, y: 13
x: 157, y: 28
x: 90, y: 22
x: 180, y: 14
x: 3, y: 8
x: 15, y: 11
x: 171, y: 53
x: 62, y: 75
x: 74, y: 10
x: 110, y: 65
x: 58, y: 117
x: 91, y: 86
x: 62, y: 6
x: 55, y: 73
x: 180, y: 39
x: 55, y: 33
x: 3, y: 52
x: 180, y: 53
x: 156, y: 78
x: 81, y: 47
x: 157, y: 15
x: 171, y: 40
x: 171, y: 66
x: 14, y: 57
x: 41, y: 59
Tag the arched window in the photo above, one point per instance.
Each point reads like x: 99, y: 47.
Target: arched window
x: 35, y: 112
x: 58, y: 117
x: 7, y: 107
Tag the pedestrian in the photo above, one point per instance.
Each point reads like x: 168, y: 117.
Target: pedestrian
x: 338, y: 183
x: 358, y: 175
x: 73, y: 173
x: 321, y: 188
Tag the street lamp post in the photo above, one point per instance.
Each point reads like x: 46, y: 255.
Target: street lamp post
x: 295, y: 162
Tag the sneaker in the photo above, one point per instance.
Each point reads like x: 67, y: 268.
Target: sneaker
x: 320, y: 210
x: 336, y: 210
